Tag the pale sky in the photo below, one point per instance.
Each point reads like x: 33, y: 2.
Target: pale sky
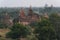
x: 27, y: 3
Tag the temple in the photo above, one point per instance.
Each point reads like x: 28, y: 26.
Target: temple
x: 24, y: 19
x: 6, y: 20
x: 31, y: 17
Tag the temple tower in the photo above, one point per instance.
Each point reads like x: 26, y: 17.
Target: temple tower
x: 30, y: 11
x: 22, y: 14
x: 7, y: 21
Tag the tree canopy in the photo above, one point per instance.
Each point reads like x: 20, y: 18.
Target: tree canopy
x: 18, y: 31
x: 45, y: 30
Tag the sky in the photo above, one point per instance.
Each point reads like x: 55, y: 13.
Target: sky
x: 27, y: 3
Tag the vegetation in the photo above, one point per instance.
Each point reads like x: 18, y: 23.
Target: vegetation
x: 55, y: 19
x: 45, y: 30
x: 18, y: 31
x: 2, y: 26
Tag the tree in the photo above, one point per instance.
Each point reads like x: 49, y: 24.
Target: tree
x: 45, y: 31
x: 2, y: 26
x: 55, y: 19
x: 18, y: 31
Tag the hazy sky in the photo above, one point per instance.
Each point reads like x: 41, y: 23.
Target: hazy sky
x: 27, y: 3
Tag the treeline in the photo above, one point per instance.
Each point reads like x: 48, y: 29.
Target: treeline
x: 14, y: 11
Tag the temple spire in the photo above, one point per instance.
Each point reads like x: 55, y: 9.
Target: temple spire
x: 22, y: 14
x: 7, y: 16
x: 30, y: 11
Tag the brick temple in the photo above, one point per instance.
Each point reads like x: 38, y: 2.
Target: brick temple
x: 24, y: 19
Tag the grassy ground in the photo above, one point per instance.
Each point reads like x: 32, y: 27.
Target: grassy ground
x: 3, y: 32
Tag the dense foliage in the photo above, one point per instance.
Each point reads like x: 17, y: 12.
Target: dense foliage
x: 55, y: 19
x: 18, y: 31
x: 45, y: 30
